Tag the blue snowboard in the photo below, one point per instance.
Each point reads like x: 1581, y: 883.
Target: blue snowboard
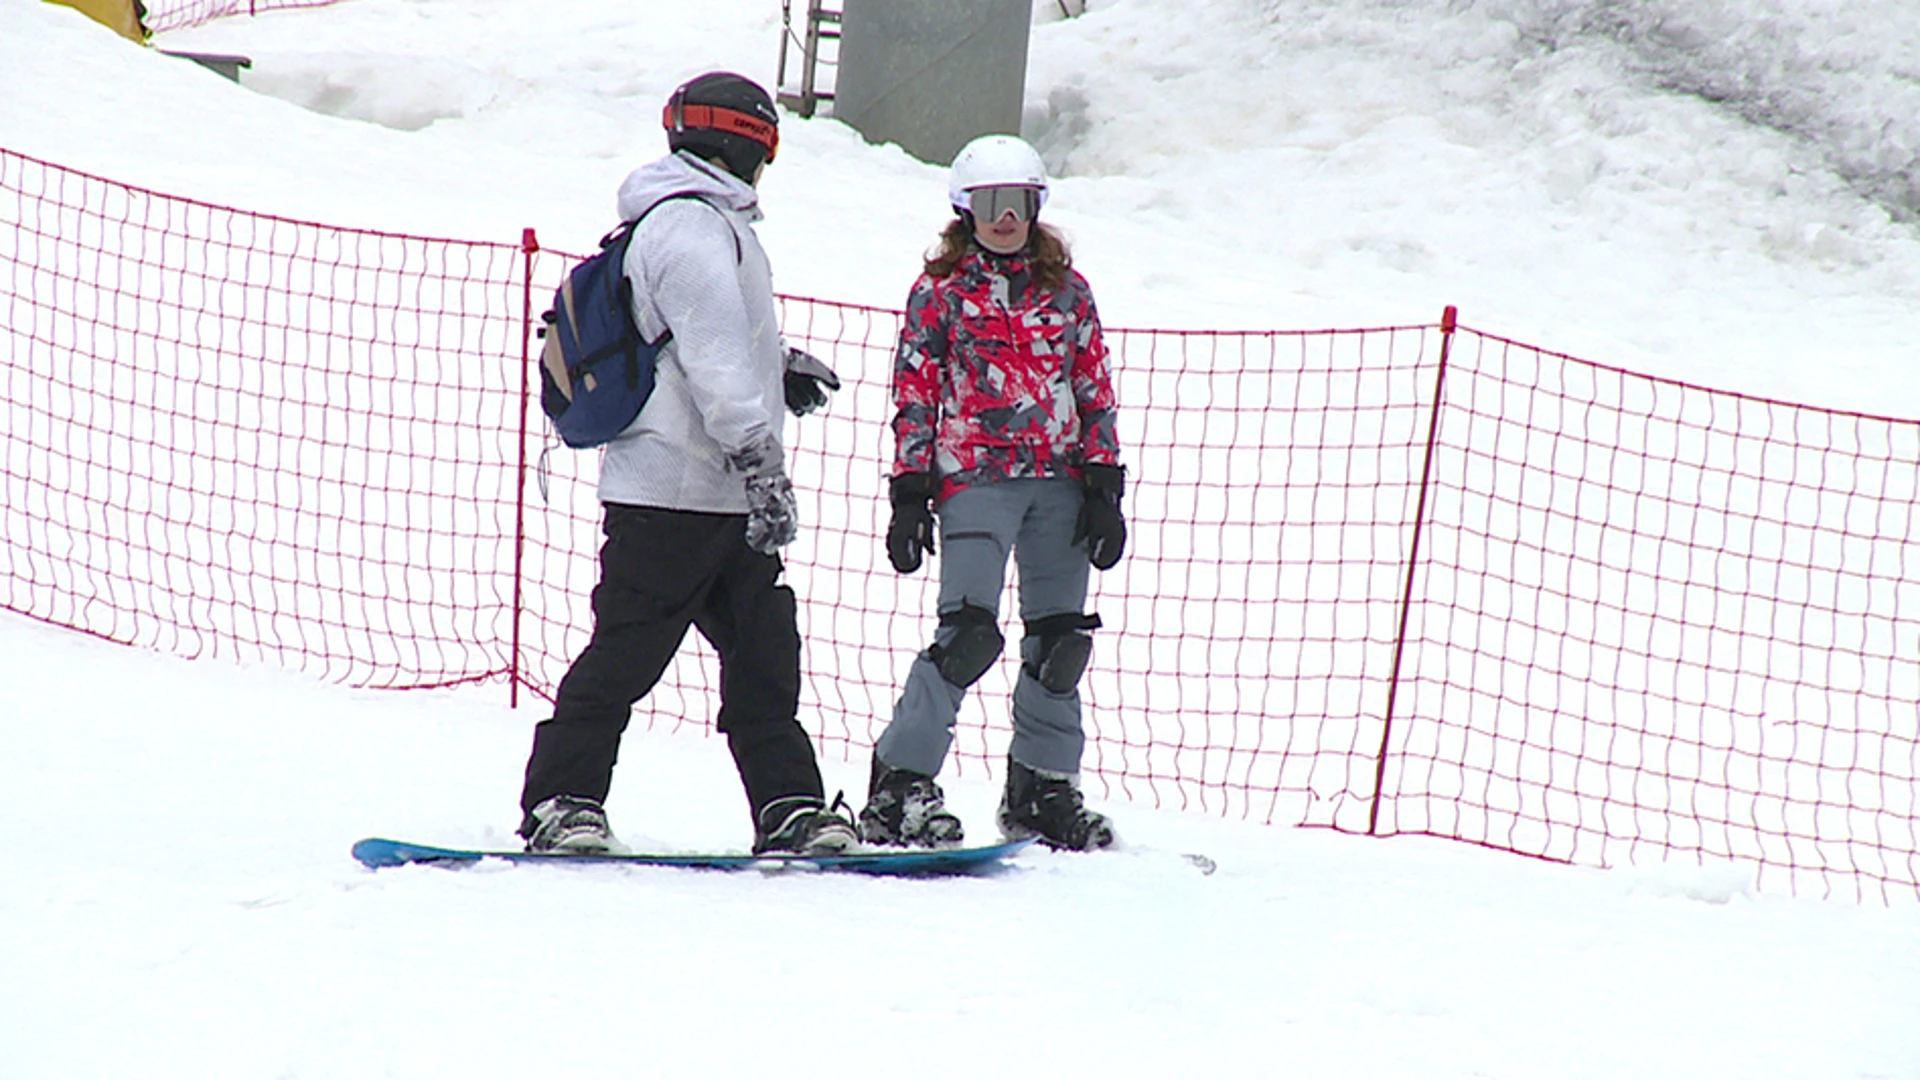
x: 885, y: 862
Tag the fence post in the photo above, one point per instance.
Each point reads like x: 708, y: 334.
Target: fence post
x: 1449, y: 318
x: 529, y: 245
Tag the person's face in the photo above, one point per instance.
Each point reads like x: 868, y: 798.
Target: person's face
x: 1003, y: 217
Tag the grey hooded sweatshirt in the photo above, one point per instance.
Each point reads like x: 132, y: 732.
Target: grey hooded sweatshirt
x: 698, y: 270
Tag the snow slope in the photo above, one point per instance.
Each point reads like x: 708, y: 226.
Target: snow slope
x: 176, y: 900
x: 1709, y: 191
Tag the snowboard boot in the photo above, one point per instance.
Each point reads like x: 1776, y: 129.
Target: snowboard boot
x: 1049, y: 805
x: 570, y: 825
x: 907, y: 809
x: 803, y: 825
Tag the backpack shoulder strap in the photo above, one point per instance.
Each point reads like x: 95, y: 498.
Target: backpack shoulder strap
x: 738, y: 252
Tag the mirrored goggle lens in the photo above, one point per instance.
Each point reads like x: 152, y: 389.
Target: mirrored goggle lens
x: 993, y: 203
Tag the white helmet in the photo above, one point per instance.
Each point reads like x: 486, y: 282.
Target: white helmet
x: 994, y: 161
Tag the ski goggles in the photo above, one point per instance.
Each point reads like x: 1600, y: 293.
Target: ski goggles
x: 990, y: 204
x: 679, y: 116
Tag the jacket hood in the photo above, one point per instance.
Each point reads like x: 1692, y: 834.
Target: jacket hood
x: 682, y: 173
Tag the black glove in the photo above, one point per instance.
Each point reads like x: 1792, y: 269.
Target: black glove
x: 773, y: 519
x: 807, y: 382
x: 910, y: 533
x: 1100, y: 524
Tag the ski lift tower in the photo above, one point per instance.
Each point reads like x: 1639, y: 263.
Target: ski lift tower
x: 931, y: 75
x: 818, y: 42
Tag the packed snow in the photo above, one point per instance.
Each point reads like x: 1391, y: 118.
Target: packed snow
x: 1716, y: 191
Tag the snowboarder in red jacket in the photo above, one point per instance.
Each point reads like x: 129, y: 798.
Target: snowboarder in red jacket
x: 1004, y: 428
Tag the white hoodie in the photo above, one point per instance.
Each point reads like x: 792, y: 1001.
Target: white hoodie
x: 697, y: 270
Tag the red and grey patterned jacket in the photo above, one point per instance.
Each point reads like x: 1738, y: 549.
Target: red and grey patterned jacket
x: 996, y: 379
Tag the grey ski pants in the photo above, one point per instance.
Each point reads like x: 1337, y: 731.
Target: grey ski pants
x: 1033, y: 520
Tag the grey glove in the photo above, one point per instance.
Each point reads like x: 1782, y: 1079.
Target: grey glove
x: 773, y: 519
x: 807, y: 381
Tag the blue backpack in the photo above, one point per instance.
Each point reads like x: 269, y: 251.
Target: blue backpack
x: 597, y: 371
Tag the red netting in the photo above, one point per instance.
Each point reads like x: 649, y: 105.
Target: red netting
x: 179, y: 14
x: 1653, y: 617
x: 242, y: 436
x: 1403, y: 580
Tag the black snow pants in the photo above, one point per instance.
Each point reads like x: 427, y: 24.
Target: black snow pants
x: 662, y: 571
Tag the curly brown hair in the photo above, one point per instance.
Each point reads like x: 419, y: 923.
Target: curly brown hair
x: 1046, y: 249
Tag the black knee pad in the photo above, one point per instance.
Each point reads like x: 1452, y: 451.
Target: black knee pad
x: 1065, y: 647
x: 972, y: 649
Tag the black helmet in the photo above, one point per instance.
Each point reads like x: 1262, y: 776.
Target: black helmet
x: 726, y: 116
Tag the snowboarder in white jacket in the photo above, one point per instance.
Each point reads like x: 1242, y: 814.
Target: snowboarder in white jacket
x: 696, y: 495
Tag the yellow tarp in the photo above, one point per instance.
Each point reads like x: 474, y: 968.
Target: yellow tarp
x: 124, y: 17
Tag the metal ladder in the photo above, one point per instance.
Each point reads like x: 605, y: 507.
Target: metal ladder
x: 821, y: 27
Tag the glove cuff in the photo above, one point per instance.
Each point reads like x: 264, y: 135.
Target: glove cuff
x: 1104, y: 479
x: 805, y: 364
x: 761, y: 457
x: 912, y: 488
